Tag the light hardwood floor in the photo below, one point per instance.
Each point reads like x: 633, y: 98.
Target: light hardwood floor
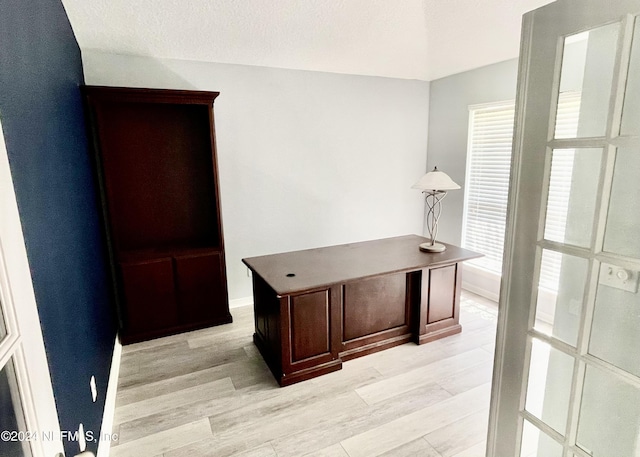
x: 209, y: 393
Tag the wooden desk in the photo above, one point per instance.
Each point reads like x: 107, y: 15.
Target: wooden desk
x: 318, y: 307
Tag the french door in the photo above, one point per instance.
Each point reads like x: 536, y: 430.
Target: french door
x: 28, y: 419
x: 567, y: 373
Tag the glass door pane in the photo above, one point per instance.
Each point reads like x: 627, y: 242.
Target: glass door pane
x: 573, y: 191
x: 561, y: 295
x: 3, y: 325
x: 615, y: 332
x: 550, y: 376
x: 587, y: 71
x: 609, y: 424
x: 536, y: 443
x: 11, y: 416
x: 621, y: 236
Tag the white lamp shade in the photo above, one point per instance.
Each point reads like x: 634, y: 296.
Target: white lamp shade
x: 436, y: 180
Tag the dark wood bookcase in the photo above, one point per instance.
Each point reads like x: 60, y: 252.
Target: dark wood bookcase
x: 155, y: 156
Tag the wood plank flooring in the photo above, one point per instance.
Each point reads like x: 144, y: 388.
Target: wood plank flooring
x: 209, y: 393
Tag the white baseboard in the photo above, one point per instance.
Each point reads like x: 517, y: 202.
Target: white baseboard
x: 480, y: 291
x: 240, y: 302
x: 110, y: 401
x: 487, y: 284
x: 481, y: 282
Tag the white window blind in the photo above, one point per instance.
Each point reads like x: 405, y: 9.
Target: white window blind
x: 487, y: 183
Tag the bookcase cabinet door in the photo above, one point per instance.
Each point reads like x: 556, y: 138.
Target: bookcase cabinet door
x: 199, y: 284
x: 149, y: 291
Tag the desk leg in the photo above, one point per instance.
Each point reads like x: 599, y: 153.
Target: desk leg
x: 439, y: 303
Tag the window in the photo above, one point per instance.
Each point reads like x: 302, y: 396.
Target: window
x: 487, y: 183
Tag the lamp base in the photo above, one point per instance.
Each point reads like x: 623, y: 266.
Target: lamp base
x: 435, y: 247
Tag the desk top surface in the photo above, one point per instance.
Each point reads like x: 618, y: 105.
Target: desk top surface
x: 315, y: 268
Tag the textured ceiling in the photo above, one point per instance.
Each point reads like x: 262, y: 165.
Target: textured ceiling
x: 413, y: 39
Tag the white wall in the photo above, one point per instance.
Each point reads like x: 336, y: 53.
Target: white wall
x: 306, y: 159
x: 449, y: 127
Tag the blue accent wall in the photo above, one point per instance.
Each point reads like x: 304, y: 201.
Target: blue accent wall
x: 43, y: 122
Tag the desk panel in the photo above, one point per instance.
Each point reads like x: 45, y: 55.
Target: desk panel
x: 374, y: 305
x: 442, y: 297
x: 310, y: 326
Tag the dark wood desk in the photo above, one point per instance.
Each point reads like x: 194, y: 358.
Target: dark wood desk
x: 318, y: 307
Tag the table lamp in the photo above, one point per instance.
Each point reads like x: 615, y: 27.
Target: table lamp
x: 434, y: 185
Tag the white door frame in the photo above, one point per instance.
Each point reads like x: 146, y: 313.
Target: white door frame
x: 24, y: 342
